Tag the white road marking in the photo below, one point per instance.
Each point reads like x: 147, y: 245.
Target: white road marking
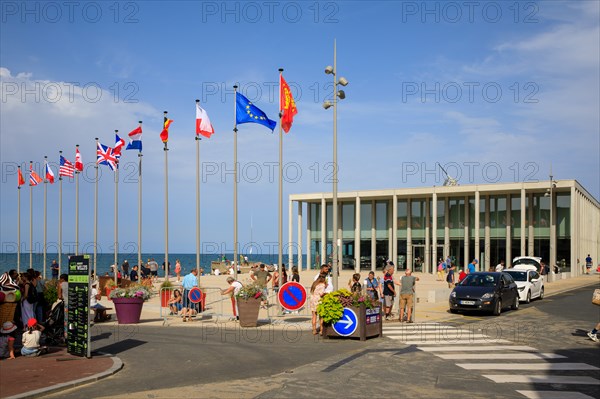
x: 554, y: 395
x: 526, y: 366
x: 479, y: 348
x: 542, y: 379
x: 500, y: 356
x: 457, y: 342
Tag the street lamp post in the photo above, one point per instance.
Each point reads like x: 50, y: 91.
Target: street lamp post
x: 552, y: 258
x: 329, y: 70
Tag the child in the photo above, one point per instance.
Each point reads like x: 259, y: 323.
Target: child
x: 31, y: 339
x: 7, y: 340
x: 354, y: 284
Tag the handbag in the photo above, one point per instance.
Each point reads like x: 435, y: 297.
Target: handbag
x: 596, y: 297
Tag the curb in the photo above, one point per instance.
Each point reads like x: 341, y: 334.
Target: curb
x: 570, y: 289
x: 117, y: 365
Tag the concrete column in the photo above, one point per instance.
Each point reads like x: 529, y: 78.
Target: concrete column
x: 508, y: 260
x: 323, y: 255
x: 477, y: 223
x: 373, y: 237
x: 309, y: 262
x: 523, y: 223
x: 434, y: 251
x: 389, y: 212
x: 427, y: 260
x: 395, y: 231
x: 409, y: 249
x: 466, y: 232
x: 447, y: 228
x: 299, y: 235
x: 357, y: 235
x: 573, y: 211
x: 553, y: 230
x: 530, y: 232
x: 487, y: 233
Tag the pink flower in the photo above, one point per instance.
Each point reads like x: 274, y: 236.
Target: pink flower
x: 257, y: 295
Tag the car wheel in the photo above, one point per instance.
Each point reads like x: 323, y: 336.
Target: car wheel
x: 528, y: 297
x: 515, y: 305
x: 542, y: 293
x: 498, y: 307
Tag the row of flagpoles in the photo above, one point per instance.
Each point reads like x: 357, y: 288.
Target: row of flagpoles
x: 244, y: 112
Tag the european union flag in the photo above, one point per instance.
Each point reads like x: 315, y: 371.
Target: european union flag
x: 247, y: 112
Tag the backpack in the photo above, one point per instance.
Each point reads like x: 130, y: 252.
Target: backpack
x: 440, y: 267
x: 32, y: 296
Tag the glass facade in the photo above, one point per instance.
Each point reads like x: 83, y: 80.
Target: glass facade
x: 375, y: 224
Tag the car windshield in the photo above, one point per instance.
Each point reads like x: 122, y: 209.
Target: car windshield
x: 517, y: 276
x: 480, y: 280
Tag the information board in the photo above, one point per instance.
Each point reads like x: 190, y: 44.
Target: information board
x: 373, y: 316
x: 78, y: 314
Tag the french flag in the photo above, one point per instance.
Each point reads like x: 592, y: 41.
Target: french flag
x: 135, y: 139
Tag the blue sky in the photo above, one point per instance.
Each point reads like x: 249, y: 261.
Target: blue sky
x: 509, y: 86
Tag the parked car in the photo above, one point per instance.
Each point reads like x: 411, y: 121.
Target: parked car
x: 529, y: 282
x: 527, y: 261
x: 485, y: 291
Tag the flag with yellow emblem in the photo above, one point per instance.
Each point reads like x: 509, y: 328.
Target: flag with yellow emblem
x: 287, y: 105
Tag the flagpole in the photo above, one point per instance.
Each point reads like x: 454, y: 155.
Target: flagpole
x: 45, y: 212
x: 116, y: 249
x: 59, y: 218
x: 19, y: 223
x: 280, y: 199
x: 96, y: 215
x: 166, y: 149
x: 197, y: 138
x: 235, y: 210
x: 139, y: 262
x: 76, y: 204
x: 30, y: 217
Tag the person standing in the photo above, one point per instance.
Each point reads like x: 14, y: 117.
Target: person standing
x: 500, y: 266
x: 189, y: 281
x: 450, y: 276
x: 317, y: 290
x: 295, y: 274
x: 234, y: 288
x: 588, y: 264
x: 153, y: 266
x: 388, y: 291
x: 178, y: 269
x: 407, y: 293
x: 133, y: 276
x: 262, y: 277
x: 440, y: 270
x: 125, y: 269
x: 54, y: 267
x: 373, y: 287
x: 472, y: 268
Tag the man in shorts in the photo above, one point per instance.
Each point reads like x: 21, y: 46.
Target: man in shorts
x: 262, y: 277
x: 407, y: 293
x: 189, y: 281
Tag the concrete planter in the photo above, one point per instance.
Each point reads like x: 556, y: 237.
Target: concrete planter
x: 248, y: 309
x: 369, y: 324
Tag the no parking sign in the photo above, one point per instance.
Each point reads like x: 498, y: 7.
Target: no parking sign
x: 195, y: 295
x: 292, y: 296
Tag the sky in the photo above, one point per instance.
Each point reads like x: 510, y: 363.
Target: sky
x: 495, y: 91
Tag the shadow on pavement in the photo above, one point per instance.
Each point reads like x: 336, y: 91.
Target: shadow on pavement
x: 121, y: 346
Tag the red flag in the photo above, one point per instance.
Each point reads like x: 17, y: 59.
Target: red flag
x: 164, y: 135
x: 78, y: 162
x: 34, y: 178
x: 21, y: 179
x: 287, y: 104
x: 203, y: 125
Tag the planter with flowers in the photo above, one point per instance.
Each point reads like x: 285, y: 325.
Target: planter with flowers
x: 129, y: 302
x: 248, y: 302
x: 367, y: 310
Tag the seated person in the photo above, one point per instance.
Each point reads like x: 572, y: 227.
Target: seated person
x: 31, y: 339
x: 176, y: 302
x: 100, y: 311
x: 7, y: 340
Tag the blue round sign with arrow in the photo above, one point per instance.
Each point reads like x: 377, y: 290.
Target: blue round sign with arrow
x: 347, y: 324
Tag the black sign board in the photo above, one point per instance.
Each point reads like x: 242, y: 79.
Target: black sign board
x: 78, y: 321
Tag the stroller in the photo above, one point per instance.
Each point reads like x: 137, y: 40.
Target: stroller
x: 55, y: 329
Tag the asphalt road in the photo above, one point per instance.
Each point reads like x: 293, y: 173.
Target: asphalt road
x: 209, y: 361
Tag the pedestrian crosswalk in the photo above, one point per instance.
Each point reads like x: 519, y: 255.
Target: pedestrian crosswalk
x: 491, y: 355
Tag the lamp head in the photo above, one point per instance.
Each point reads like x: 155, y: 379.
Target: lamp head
x: 341, y: 94
x: 329, y: 70
x: 343, y: 81
x: 327, y: 105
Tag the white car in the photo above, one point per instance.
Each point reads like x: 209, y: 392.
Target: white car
x: 527, y: 261
x: 529, y: 282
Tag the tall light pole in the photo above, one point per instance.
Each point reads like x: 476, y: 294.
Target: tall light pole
x: 329, y: 70
x: 552, y: 257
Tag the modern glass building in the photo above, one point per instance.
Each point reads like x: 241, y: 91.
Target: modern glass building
x: 417, y: 226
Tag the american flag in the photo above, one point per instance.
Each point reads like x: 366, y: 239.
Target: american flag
x: 66, y: 167
x: 105, y: 156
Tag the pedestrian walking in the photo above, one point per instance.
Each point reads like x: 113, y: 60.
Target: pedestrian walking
x: 407, y: 293
x: 588, y: 264
x: 317, y: 290
x: 189, y: 281
x: 500, y: 266
x: 450, y: 277
x: 389, y: 292
x: 594, y: 333
x: 373, y: 286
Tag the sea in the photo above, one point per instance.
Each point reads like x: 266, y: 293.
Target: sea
x: 104, y: 261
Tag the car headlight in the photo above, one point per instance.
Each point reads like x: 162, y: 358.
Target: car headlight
x: 453, y: 294
x: 487, y: 295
